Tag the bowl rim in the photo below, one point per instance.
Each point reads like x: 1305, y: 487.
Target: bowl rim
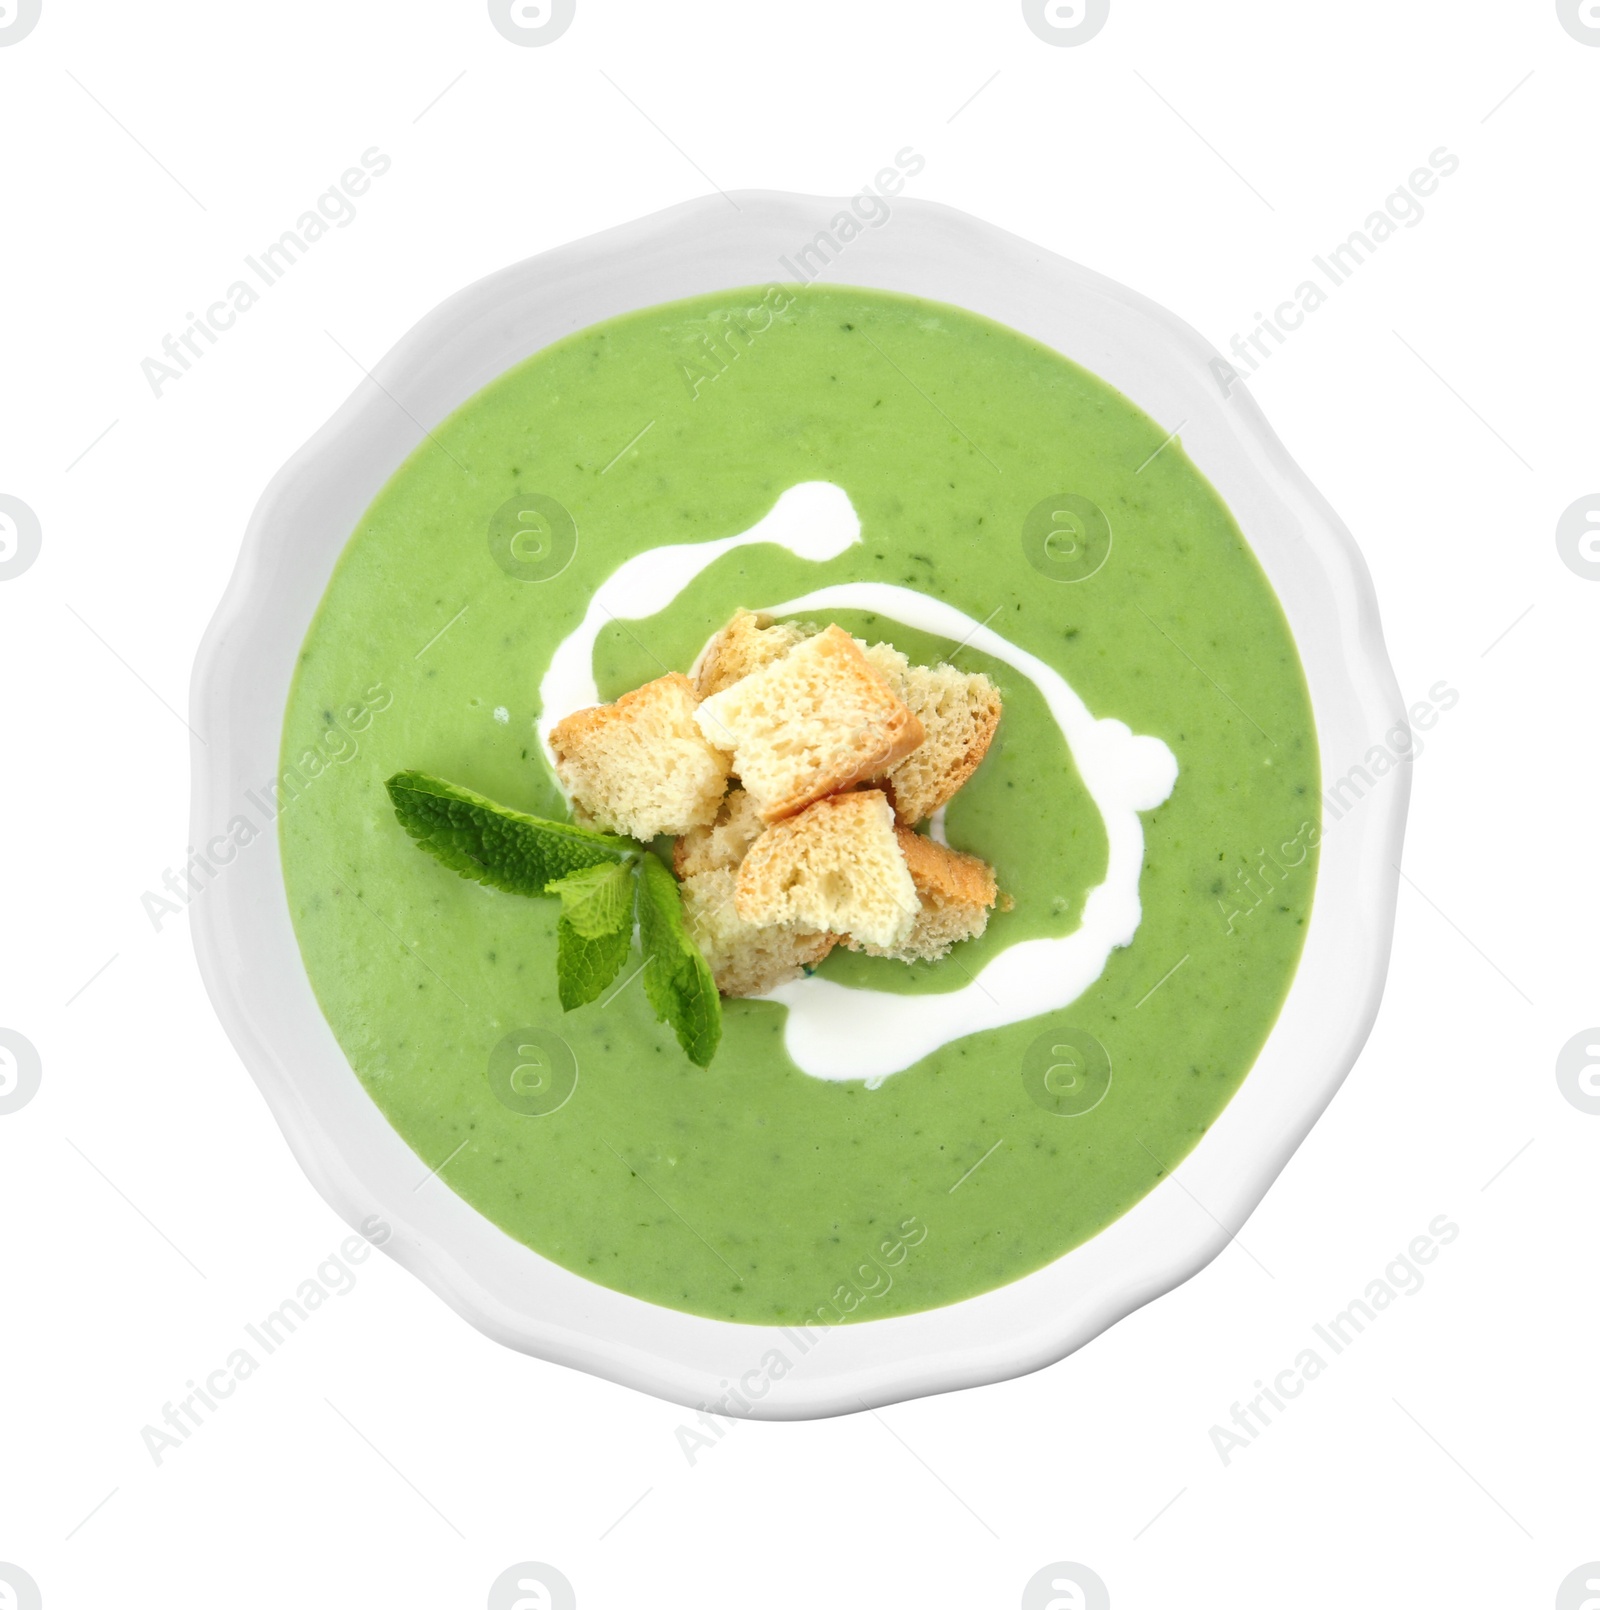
x: 259, y: 989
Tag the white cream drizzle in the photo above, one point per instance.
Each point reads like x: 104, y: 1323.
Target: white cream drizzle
x: 834, y: 1032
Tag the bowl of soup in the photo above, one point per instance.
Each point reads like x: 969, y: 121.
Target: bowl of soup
x: 889, y: 1181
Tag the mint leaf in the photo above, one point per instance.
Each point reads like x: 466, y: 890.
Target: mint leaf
x: 586, y: 964
x: 491, y: 843
x: 597, y: 900
x: 595, y: 932
x: 677, y: 981
x: 594, y: 876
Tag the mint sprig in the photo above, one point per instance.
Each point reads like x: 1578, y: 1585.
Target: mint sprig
x: 604, y: 883
x: 677, y: 980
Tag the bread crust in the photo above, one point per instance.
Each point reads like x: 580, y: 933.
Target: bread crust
x: 943, y: 875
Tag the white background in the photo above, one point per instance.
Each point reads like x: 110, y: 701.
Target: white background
x: 1202, y: 154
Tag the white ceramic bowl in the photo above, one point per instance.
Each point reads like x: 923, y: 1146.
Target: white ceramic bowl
x: 251, y: 962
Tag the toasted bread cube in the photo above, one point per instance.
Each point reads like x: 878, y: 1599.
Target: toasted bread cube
x: 835, y: 867
x: 642, y: 766
x: 745, y: 958
x: 819, y: 720
x: 745, y: 644
x: 959, y: 711
x: 721, y: 846
x: 956, y: 892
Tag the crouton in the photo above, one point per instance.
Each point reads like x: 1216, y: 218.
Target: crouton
x: 745, y: 958
x: 745, y: 644
x: 835, y: 867
x: 959, y: 711
x: 721, y: 846
x: 816, y: 721
x: 641, y: 766
x: 956, y: 893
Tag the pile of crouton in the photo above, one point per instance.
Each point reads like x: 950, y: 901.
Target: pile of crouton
x: 792, y: 766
